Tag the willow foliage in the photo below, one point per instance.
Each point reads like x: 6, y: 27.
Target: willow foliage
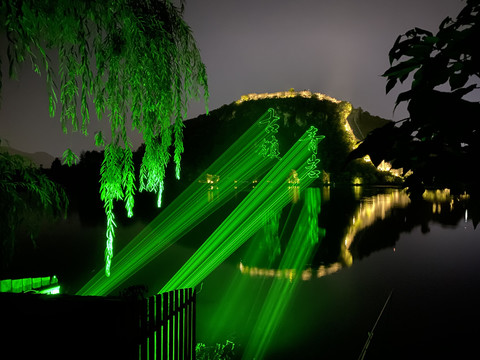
x: 135, y: 59
x: 24, y: 192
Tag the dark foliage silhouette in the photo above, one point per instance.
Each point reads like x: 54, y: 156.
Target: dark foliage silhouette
x: 440, y: 140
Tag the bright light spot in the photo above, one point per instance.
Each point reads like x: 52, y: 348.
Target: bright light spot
x: 306, y: 274
x: 51, y: 291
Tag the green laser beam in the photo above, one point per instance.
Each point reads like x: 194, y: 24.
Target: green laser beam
x: 243, y: 160
x: 298, y: 253
x: 235, y: 310
x: 269, y: 196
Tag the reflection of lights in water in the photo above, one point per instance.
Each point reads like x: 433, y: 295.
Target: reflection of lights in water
x: 245, y: 220
x: 442, y: 197
x: 291, y: 274
x: 327, y: 270
x: 372, y: 209
x: 357, y: 190
x: 326, y: 193
x: 294, y: 186
x: 212, y: 186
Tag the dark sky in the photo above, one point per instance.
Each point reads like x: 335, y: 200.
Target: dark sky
x: 336, y: 47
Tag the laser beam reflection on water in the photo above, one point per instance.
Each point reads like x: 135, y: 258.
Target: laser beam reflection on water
x: 246, y: 159
x: 298, y: 253
x: 269, y: 196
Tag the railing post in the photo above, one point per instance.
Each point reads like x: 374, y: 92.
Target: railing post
x: 165, y: 321
x: 194, y: 323
x: 167, y: 326
x: 151, y: 327
x: 170, y: 325
x: 188, y: 353
x: 176, y: 323
x: 181, y: 330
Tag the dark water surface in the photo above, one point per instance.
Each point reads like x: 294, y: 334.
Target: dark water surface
x: 376, y: 242
x: 427, y: 254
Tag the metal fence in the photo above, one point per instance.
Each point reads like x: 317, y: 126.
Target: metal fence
x: 167, y: 326
x: 89, y: 327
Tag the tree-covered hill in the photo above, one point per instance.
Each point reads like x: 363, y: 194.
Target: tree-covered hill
x: 208, y: 136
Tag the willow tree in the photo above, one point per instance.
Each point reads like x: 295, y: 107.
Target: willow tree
x: 26, y: 195
x: 136, y: 60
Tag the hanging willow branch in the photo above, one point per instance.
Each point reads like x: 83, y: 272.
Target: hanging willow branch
x: 135, y: 59
x: 24, y: 192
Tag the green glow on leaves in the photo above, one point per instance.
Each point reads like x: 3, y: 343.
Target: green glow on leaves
x: 109, y: 244
x: 269, y: 196
x: 69, y: 157
x: 128, y: 180
x: 241, y: 162
x: 160, y: 192
x: 26, y: 193
x: 99, y: 139
x: 136, y: 60
x: 298, y: 253
x: 178, y: 147
x: 111, y: 188
x: 155, y: 161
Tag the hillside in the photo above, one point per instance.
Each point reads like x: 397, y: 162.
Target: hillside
x: 362, y: 122
x: 41, y: 159
x: 208, y: 136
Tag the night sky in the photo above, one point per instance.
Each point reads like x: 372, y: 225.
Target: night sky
x: 336, y: 47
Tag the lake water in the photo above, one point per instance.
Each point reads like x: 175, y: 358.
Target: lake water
x: 377, y: 242
x: 426, y: 254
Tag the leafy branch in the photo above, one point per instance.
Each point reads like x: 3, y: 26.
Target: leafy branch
x: 24, y: 192
x: 135, y: 59
x: 440, y: 139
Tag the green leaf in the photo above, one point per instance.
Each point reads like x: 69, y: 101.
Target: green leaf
x: 145, y: 62
x: 99, y: 140
x: 69, y: 157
